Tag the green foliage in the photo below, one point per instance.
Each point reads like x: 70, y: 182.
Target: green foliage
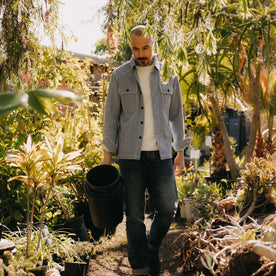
x: 259, y: 174
x: 40, y: 100
x: 18, y: 262
x: 54, y: 247
x: 82, y: 130
x: 204, y: 195
x: 12, y: 198
x: 43, y: 165
x: 22, y: 23
x: 186, y: 184
x: 59, y: 207
x: 15, y: 126
x: 215, y: 48
x: 193, y: 185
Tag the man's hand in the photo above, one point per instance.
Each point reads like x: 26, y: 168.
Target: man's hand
x: 107, y: 160
x: 178, y: 165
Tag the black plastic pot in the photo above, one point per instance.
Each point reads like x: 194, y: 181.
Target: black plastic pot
x: 105, y: 196
x: 82, y: 208
x: 76, y: 226
x: 39, y: 271
x: 75, y: 269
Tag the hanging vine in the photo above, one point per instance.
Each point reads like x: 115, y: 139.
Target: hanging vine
x: 19, y: 45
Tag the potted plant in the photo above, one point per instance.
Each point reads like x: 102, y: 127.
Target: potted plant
x: 186, y: 184
x: 44, y: 164
x: 30, y: 160
x: 77, y: 266
x: 16, y: 262
x: 73, y: 255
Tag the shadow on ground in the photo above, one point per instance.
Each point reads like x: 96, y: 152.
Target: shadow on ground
x: 111, y: 257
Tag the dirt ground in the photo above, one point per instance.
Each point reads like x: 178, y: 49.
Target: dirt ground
x: 111, y: 257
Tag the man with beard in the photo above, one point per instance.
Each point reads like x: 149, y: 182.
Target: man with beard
x: 143, y: 116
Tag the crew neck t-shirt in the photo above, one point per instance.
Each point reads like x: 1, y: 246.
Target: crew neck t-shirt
x: 149, y: 138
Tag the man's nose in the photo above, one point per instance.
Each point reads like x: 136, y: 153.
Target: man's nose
x: 140, y: 53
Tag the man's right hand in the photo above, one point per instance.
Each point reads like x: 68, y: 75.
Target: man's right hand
x: 107, y: 160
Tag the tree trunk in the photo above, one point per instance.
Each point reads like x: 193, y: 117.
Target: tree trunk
x: 233, y: 166
x: 255, y: 86
x: 270, y: 127
x: 218, y: 159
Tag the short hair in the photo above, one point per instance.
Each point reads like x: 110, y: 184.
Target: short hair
x: 137, y: 30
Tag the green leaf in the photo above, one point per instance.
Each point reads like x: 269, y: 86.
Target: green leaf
x: 62, y: 96
x: 11, y: 101
x: 40, y: 100
x: 39, y: 104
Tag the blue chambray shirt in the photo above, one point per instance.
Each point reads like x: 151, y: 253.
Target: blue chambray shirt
x: 124, y: 113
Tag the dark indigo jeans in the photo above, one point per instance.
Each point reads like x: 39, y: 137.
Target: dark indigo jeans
x: 158, y: 177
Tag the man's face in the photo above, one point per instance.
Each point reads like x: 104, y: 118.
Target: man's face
x: 141, y: 48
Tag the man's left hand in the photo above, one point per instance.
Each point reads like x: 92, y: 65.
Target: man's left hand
x: 178, y: 165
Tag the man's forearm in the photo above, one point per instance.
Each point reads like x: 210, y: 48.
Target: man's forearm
x: 107, y: 160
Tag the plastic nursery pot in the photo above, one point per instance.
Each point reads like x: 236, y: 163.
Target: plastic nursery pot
x: 75, y: 269
x: 82, y: 208
x: 186, y: 211
x: 74, y: 226
x: 105, y: 196
x: 77, y: 225
x: 39, y: 271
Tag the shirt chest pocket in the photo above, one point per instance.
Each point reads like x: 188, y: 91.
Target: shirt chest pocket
x: 166, y: 94
x: 129, y: 97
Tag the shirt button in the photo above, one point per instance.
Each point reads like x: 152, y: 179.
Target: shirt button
x: 140, y: 137
x: 142, y: 122
x: 142, y: 107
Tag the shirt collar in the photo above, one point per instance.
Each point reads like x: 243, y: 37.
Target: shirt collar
x: 156, y: 63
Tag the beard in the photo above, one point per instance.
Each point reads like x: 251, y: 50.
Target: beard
x: 143, y: 61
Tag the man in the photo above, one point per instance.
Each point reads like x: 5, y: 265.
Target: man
x: 142, y: 115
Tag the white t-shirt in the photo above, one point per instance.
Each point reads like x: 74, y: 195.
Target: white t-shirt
x: 149, y: 139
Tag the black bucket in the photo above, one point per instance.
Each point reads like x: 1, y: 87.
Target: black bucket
x: 105, y: 196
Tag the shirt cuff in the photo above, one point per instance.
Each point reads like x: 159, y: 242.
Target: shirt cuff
x: 181, y: 145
